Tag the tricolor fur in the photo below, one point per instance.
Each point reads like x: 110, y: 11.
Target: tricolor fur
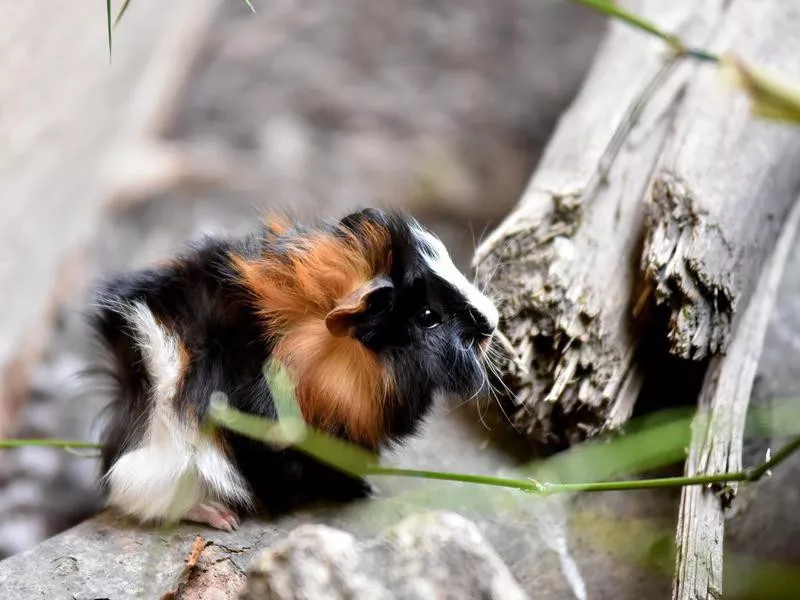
x: 368, y: 314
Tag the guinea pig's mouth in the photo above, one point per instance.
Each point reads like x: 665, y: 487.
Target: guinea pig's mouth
x: 480, y: 346
x: 483, y: 346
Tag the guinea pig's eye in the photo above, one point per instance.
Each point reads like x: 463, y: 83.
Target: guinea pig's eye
x: 428, y: 318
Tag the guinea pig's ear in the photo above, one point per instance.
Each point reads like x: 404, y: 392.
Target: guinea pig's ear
x: 342, y: 318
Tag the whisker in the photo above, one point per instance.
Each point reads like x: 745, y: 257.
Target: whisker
x: 497, y: 359
x: 507, y: 346
x: 503, y: 410
x: 494, y: 351
x: 483, y: 233
x: 471, y: 398
x: 490, y: 276
x: 495, y: 393
x: 480, y: 414
x: 474, y: 248
x: 480, y: 237
x: 499, y: 263
x: 505, y: 246
x: 480, y: 417
x: 496, y: 371
x: 478, y: 391
x: 472, y: 233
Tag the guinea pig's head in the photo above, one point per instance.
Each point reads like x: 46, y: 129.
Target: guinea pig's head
x: 372, y: 318
x: 428, y: 324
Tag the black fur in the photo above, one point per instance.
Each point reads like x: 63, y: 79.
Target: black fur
x: 201, y: 298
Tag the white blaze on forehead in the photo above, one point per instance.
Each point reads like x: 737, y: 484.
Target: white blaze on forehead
x: 439, y: 262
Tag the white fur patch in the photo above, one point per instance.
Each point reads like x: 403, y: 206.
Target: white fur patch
x: 176, y: 467
x: 439, y: 262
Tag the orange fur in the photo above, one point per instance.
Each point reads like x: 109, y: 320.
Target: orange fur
x: 340, y: 383
x: 183, y: 351
x: 185, y: 359
x: 277, y: 224
x: 167, y: 263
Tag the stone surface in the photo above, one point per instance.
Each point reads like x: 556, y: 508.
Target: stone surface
x: 545, y: 543
x: 436, y: 555
x: 207, y: 575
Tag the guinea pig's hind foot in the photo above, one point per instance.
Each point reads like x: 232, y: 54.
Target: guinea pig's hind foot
x: 214, y: 514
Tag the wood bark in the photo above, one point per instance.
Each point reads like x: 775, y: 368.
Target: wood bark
x: 724, y: 186
x: 717, y: 435
x: 563, y: 266
x: 725, y: 191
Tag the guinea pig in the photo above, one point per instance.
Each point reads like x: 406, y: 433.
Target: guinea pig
x: 368, y: 314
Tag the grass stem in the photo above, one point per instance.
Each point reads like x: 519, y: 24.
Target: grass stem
x: 45, y: 443
x: 361, y: 463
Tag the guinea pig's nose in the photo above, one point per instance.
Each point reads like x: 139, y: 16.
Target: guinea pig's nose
x: 480, y: 328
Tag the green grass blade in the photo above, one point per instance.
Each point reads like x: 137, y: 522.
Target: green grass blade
x: 611, y: 10
x: 649, y: 443
x: 774, y: 95
x: 332, y: 451
x: 47, y: 443
x: 121, y: 11
x: 282, y: 388
x: 108, y: 20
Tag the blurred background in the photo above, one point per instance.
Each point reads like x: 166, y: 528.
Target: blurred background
x: 208, y: 114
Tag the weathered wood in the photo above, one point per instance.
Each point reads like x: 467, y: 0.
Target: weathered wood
x: 563, y: 265
x: 724, y: 186
x: 718, y: 431
x: 719, y: 202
